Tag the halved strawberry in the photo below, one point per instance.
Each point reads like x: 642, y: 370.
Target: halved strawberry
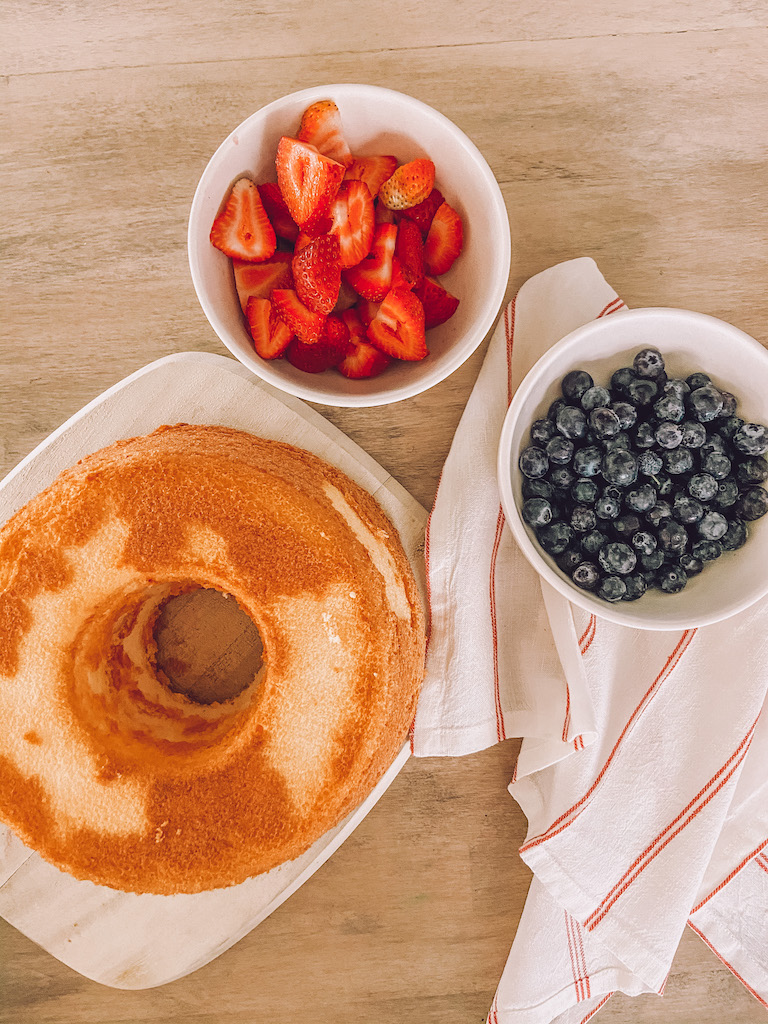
x: 409, y: 185
x: 270, y: 334
x: 444, y: 240
x: 398, y: 281
x: 274, y: 204
x: 366, y: 310
x: 308, y: 180
x: 353, y: 222
x: 439, y: 305
x: 317, y: 274
x: 258, y: 279
x: 409, y: 250
x: 423, y: 212
x: 372, y: 276
x: 242, y: 229
x: 364, y: 359
x: 304, y: 323
x: 373, y: 170
x: 398, y: 328
x: 333, y: 346
x: 321, y: 127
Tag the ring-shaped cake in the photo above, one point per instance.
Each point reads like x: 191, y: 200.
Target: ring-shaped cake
x: 106, y: 771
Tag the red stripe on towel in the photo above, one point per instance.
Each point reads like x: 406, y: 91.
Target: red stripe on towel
x: 730, y: 967
x: 594, y: 1010
x: 582, y: 957
x: 509, y: 334
x: 611, y: 307
x: 762, y: 862
x: 569, y: 816
x: 578, y: 982
x: 754, y: 856
x: 494, y: 628
x: 673, y: 829
x: 588, y: 635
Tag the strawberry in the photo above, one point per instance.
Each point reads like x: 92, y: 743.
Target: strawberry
x: 444, y: 240
x: 423, y: 212
x: 373, y: 170
x: 353, y: 222
x: 364, y: 359
x: 304, y: 323
x: 398, y: 281
x: 317, y: 274
x: 258, y: 279
x: 398, y: 327
x: 372, y: 277
x: 439, y: 305
x: 409, y: 250
x: 366, y: 310
x: 274, y: 204
x: 333, y: 346
x: 270, y: 334
x: 308, y: 181
x: 321, y: 127
x: 242, y: 229
x: 409, y: 185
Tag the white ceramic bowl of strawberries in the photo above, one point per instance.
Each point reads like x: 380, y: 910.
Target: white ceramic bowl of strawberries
x: 361, y: 280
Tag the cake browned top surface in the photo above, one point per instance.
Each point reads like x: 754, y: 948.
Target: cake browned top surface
x: 104, y: 769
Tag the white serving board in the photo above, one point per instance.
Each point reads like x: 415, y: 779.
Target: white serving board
x: 132, y: 941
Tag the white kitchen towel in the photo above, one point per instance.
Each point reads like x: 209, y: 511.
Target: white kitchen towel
x: 641, y: 767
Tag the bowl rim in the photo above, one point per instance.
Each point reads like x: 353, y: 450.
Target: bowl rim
x: 498, y: 271
x: 622, y: 614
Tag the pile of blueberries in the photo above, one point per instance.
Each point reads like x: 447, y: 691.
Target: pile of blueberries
x: 641, y: 483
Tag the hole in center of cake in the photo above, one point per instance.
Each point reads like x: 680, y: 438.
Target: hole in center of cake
x: 207, y: 647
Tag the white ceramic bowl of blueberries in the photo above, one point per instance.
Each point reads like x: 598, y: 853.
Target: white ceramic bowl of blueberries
x: 633, y: 468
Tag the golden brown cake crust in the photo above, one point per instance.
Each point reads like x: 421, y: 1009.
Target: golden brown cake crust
x: 109, y: 775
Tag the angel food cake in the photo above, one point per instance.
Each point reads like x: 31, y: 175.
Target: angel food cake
x: 106, y: 771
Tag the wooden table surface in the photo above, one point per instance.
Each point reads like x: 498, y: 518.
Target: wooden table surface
x: 632, y: 133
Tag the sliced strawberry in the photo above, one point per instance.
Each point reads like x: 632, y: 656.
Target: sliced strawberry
x: 317, y: 274
x: 347, y: 297
x: 409, y: 250
x: 398, y: 281
x: 422, y: 213
x: 258, y: 279
x: 270, y: 334
x: 373, y: 170
x: 242, y: 229
x: 439, y: 305
x: 398, y: 328
x: 333, y: 346
x: 444, y: 240
x: 409, y: 185
x: 364, y: 359
x: 366, y: 311
x: 321, y: 127
x: 353, y: 222
x: 308, y: 180
x: 274, y: 204
x: 372, y: 276
x: 304, y: 323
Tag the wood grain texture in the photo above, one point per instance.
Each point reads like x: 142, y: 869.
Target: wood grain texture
x: 632, y: 134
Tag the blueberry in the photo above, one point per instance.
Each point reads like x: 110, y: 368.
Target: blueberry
x: 668, y: 435
x: 622, y: 378
x: 559, y: 450
x: 575, y: 383
x: 620, y: 467
x: 607, y: 507
x: 555, y: 538
x: 554, y: 409
x: 660, y: 511
x: 716, y: 464
x: 617, y: 557
x: 707, y: 550
x: 648, y: 362
x: 586, y: 575
x: 697, y: 380
x: 537, y: 512
x: 624, y: 526
x: 705, y: 403
x: 612, y: 589
x: 571, y: 421
x: 649, y: 464
x: 712, y: 525
x: 583, y: 519
x: 694, y: 434
x: 752, y: 470
x: 727, y: 493
x: 533, y: 461
x: 653, y: 560
x: 537, y: 488
x: 702, y: 486
x: 636, y: 586
x: 751, y: 439
x: 542, y: 431
x: 673, y: 538
x: 687, y: 510
x: 729, y: 426
x: 595, y: 398
x: 642, y: 392
x: 644, y: 542
x: 592, y: 542
x: 569, y: 559
x: 620, y: 440
x: 673, y: 580
x: 670, y: 408
x: 643, y: 436
x: 642, y: 498
x: 691, y: 564
x: 729, y: 404
x: 675, y: 386
x: 663, y: 483
x: 753, y: 503
x: 627, y: 414
x: 604, y: 423
x: 587, y: 461
x: 735, y: 536
x: 561, y: 477
x: 678, y: 461
x: 585, y: 491
x: 714, y: 443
